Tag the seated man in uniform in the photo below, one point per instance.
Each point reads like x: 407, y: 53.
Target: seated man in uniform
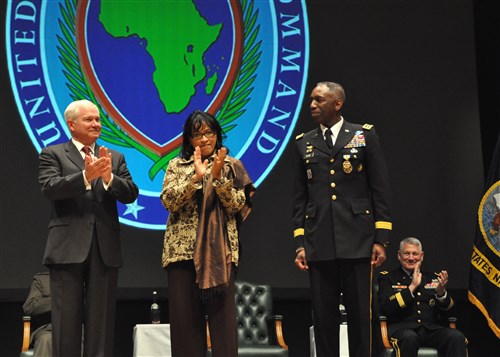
x: 416, y: 304
x: 38, y: 305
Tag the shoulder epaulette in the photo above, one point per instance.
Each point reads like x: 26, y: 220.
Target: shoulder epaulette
x: 384, y: 272
x: 368, y: 126
x: 300, y: 136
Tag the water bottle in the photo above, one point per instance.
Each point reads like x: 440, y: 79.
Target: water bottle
x: 343, y: 313
x: 155, y: 309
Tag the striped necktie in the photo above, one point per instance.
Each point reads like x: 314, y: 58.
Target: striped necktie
x: 87, y: 150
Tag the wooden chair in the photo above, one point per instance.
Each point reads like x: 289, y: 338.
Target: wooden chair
x: 422, y: 352
x: 26, y: 351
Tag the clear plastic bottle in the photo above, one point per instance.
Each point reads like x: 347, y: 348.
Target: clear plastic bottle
x: 155, y: 309
x: 343, y: 313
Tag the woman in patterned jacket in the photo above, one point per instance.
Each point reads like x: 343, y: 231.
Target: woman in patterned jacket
x: 207, y: 194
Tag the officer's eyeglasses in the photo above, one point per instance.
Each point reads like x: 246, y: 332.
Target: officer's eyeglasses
x: 208, y: 134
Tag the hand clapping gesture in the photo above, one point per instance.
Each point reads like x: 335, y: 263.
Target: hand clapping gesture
x: 200, y: 165
x: 218, y: 163
x: 442, y: 282
x: 416, y: 278
x: 98, y: 167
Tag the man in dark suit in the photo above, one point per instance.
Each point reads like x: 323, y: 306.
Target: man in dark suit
x: 341, y: 218
x: 416, y: 304
x: 83, y: 252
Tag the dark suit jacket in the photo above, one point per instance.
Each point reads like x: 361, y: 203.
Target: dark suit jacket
x: 340, y: 196
x: 406, y: 311
x: 76, y: 210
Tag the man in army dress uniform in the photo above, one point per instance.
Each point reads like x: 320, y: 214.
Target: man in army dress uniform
x: 341, y: 219
x: 416, y: 304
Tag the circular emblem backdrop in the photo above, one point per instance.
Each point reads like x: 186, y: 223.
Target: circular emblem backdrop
x: 147, y: 65
x: 489, y: 217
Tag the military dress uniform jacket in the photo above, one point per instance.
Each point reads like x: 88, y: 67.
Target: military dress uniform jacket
x: 341, y: 197
x: 404, y: 310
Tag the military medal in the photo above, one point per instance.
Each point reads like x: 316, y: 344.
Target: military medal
x: 346, y: 165
x: 432, y: 302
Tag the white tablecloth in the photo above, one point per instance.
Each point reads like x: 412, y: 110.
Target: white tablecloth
x: 152, y: 340
x: 344, y: 348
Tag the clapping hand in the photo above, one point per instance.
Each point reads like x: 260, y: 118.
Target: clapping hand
x: 219, y: 163
x: 200, y: 165
x: 99, y: 167
x: 417, y: 277
x: 442, y: 282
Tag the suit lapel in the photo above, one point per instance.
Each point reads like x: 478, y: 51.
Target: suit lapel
x: 345, y: 135
x: 318, y: 141
x: 74, y: 155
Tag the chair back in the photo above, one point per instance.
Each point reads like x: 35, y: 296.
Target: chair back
x: 253, y: 307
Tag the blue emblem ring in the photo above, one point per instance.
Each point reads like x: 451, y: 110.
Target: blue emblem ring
x: 259, y: 113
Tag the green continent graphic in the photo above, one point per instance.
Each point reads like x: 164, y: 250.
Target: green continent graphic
x: 177, y: 37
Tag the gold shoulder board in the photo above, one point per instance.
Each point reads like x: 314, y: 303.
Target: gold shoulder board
x: 298, y: 137
x: 368, y: 126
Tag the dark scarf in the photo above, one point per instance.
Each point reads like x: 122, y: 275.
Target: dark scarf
x: 212, y: 253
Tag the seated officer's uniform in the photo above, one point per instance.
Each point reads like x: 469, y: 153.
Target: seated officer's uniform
x: 418, y: 319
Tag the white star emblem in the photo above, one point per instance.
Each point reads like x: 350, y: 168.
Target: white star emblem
x: 133, y: 208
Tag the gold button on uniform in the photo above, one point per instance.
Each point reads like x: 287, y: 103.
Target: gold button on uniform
x: 334, y: 197
x: 332, y: 184
x: 332, y: 172
x: 419, y: 312
x: 419, y: 321
x: 332, y: 159
x: 367, y: 212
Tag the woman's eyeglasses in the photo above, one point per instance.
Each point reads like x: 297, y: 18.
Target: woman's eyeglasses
x: 208, y: 134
